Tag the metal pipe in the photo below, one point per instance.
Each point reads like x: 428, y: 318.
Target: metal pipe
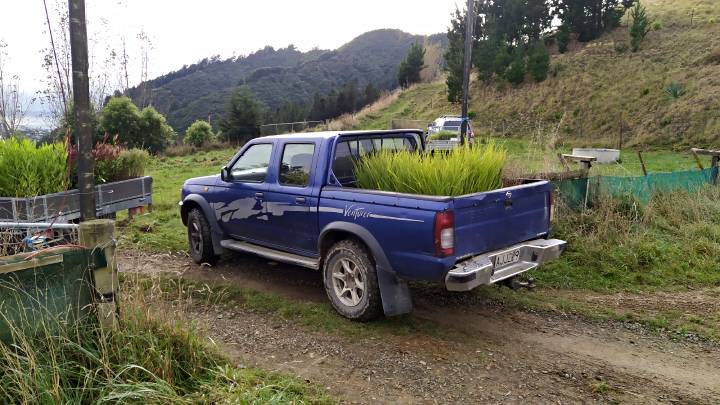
x: 37, y: 225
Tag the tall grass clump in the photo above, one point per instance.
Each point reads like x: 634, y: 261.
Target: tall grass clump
x: 463, y: 170
x: 28, y: 170
x: 132, y: 163
x: 673, y: 242
x: 155, y: 356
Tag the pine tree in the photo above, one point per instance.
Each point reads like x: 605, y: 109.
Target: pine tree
x: 538, y: 61
x: 516, y: 72
x: 641, y: 25
x: 563, y: 38
x: 410, y: 68
x: 371, y: 94
x: 244, y: 116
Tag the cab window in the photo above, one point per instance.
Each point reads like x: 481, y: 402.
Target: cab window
x: 253, y: 165
x: 296, y: 163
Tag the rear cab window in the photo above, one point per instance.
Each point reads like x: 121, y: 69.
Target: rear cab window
x: 351, y: 149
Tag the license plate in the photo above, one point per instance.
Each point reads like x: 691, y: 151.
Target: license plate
x: 506, y: 258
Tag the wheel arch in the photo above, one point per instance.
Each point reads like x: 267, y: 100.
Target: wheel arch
x: 394, y: 291
x: 193, y: 201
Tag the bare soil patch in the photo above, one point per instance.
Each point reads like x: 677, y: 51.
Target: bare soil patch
x: 485, y: 353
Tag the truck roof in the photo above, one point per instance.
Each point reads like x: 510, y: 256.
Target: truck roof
x: 332, y: 134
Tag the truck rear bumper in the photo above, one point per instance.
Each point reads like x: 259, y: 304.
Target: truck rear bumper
x: 481, y: 270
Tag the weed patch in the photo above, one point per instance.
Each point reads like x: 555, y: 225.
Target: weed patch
x: 147, y: 359
x: 673, y: 243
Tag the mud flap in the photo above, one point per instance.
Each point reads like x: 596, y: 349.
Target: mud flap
x: 394, y: 292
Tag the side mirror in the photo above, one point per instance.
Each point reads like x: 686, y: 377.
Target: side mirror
x: 225, y: 174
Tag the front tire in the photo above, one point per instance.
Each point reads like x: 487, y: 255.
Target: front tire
x: 200, y: 238
x: 351, y: 282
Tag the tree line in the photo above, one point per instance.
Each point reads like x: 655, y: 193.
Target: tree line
x: 511, y: 37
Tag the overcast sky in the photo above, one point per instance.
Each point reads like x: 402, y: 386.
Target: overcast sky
x: 184, y: 31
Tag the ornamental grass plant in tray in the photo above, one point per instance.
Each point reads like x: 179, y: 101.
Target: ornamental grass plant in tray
x: 463, y: 170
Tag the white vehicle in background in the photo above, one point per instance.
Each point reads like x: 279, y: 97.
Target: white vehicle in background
x: 444, y: 133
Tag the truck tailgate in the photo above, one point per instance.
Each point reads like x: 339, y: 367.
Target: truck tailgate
x: 500, y: 218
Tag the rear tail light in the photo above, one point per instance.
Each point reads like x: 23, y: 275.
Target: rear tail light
x: 444, y: 234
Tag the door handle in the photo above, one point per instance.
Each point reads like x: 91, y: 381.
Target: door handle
x: 259, y: 195
x: 300, y: 200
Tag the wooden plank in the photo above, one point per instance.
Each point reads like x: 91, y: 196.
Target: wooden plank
x: 30, y: 264
x: 577, y: 158
x: 705, y: 152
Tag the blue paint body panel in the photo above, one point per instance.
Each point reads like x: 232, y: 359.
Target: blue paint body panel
x: 293, y: 218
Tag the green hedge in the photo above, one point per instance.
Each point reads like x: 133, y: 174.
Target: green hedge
x: 28, y: 170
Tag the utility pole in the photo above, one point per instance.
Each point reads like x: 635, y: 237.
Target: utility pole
x: 81, y: 103
x: 469, y: 27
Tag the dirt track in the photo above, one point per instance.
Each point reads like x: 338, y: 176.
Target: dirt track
x: 485, y: 353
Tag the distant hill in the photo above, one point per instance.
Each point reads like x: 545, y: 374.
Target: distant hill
x: 202, y: 90
x: 600, y: 90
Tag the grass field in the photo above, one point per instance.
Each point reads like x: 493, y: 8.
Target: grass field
x: 162, y: 230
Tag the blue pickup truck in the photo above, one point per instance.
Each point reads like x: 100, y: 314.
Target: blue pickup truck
x: 294, y: 199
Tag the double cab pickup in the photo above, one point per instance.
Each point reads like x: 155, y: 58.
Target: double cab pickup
x: 294, y: 199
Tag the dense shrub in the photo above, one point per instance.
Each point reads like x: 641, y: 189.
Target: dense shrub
x: 105, y: 156
x: 503, y: 59
x: 516, y: 72
x: 28, y: 170
x: 538, y: 63
x: 114, y: 162
x: 146, y: 129
x: 155, y: 131
x: 198, y: 133
x: 132, y: 163
x: 463, y: 170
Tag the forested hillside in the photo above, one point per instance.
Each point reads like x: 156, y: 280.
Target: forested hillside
x: 665, y: 94
x: 278, y: 76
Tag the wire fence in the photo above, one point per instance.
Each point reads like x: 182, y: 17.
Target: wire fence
x: 288, y: 127
x: 578, y: 193
x: 18, y: 237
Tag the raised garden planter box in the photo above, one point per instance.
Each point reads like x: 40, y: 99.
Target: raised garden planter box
x: 65, y: 207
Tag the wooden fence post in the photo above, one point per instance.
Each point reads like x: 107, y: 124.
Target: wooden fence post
x: 642, y: 163
x: 99, y: 234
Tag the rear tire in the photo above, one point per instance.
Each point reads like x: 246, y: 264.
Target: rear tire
x: 200, y: 238
x: 350, y: 281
